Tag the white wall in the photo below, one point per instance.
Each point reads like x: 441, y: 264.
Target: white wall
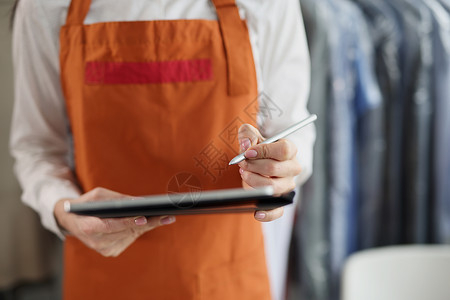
x: 25, y: 248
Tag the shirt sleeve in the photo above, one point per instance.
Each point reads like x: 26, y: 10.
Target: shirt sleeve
x: 285, y: 74
x: 40, y: 137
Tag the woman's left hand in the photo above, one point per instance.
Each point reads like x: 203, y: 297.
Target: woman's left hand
x: 272, y: 164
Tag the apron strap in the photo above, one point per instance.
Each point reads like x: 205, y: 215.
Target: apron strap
x: 78, y: 11
x: 236, y: 42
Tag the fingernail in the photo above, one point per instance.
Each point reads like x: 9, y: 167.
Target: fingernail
x: 241, y: 170
x: 167, y: 220
x: 260, y: 215
x: 245, y: 144
x: 140, y: 221
x: 251, y: 154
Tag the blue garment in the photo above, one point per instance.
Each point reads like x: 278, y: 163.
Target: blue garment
x: 355, y: 92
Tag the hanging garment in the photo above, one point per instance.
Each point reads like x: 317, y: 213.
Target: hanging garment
x: 353, y: 122
x: 419, y: 113
x: 388, y: 166
x: 375, y: 222
x: 312, y: 231
x: 385, y: 39
x: 441, y: 138
x: 391, y: 207
x: 414, y: 121
x: 355, y: 93
x: 138, y: 94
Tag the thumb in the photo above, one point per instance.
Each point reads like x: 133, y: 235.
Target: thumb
x: 248, y: 136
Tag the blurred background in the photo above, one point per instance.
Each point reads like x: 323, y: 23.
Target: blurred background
x: 381, y: 89
x: 30, y: 257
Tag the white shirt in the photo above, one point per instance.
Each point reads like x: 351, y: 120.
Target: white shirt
x: 39, y: 137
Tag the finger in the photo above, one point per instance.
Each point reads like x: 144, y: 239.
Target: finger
x: 154, y: 222
x: 269, y: 215
x: 272, y: 168
x: 100, y: 194
x: 92, y: 225
x: 280, y: 185
x: 87, y: 226
x: 248, y: 136
x: 246, y: 186
x: 280, y: 150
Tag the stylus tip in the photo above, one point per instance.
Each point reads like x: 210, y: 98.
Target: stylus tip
x: 236, y: 160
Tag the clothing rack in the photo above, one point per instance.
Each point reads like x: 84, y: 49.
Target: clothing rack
x: 380, y: 86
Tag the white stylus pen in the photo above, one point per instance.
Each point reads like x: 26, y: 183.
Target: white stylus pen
x: 278, y: 136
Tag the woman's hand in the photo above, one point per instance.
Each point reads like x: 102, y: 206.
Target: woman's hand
x: 267, y: 164
x: 110, y: 236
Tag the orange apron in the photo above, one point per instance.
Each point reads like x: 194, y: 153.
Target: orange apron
x: 151, y: 104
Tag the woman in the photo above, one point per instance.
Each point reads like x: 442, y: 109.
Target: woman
x: 149, y: 91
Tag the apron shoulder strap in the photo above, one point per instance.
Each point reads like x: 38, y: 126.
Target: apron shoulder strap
x: 78, y: 11
x: 221, y: 3
x: 234, y: 34
x: 237, y: 46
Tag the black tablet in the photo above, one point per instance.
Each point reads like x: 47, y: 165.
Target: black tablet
x: 195, y: 202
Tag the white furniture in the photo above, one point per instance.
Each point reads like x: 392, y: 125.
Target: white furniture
x: 398, y: 273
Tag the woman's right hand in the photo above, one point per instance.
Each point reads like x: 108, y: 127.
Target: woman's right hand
x: 109, y: 236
